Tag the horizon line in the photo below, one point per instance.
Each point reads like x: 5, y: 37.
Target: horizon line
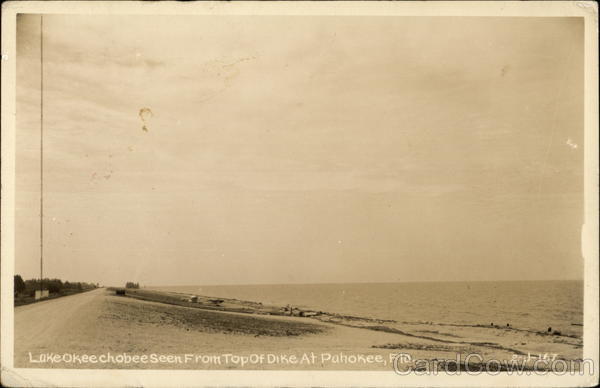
x: 358, y: 282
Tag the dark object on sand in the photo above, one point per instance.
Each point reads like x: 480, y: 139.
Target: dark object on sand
x: 549, y: 329
x: 556, y: 332
x: 303, y: 313
x: 508, y: 325
x: 492, y: 324
x: 289, y: 310
x: 216, y: 302
x: 120, y: 291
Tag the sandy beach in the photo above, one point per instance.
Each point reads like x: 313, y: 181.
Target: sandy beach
x: 101, y: 323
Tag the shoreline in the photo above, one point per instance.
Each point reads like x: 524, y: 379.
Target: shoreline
x: 252, y: 307
x: 492, y: 338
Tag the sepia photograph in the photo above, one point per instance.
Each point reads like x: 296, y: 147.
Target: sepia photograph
x: 351, y: 189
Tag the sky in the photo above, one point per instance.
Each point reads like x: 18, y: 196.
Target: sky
x: 192, y: 150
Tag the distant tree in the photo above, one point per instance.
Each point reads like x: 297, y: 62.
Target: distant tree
x: 19, y: 284
x: 31, y: 285
x: 53, y: 286
x: 132, y: 285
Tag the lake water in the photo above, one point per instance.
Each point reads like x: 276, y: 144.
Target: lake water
x: 524, y: 304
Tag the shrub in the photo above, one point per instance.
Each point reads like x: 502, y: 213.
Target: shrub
x: 19, y: 284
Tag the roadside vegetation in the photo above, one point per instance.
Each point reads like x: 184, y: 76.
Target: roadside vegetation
x: 25, y: 289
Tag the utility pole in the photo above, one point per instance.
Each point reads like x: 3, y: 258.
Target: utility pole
x: 41, y: 154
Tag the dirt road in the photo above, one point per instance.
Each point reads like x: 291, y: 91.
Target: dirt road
x: 62, y: 324
x: 37, y: 323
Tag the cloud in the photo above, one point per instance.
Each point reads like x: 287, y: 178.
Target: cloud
x: 357, y: 129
